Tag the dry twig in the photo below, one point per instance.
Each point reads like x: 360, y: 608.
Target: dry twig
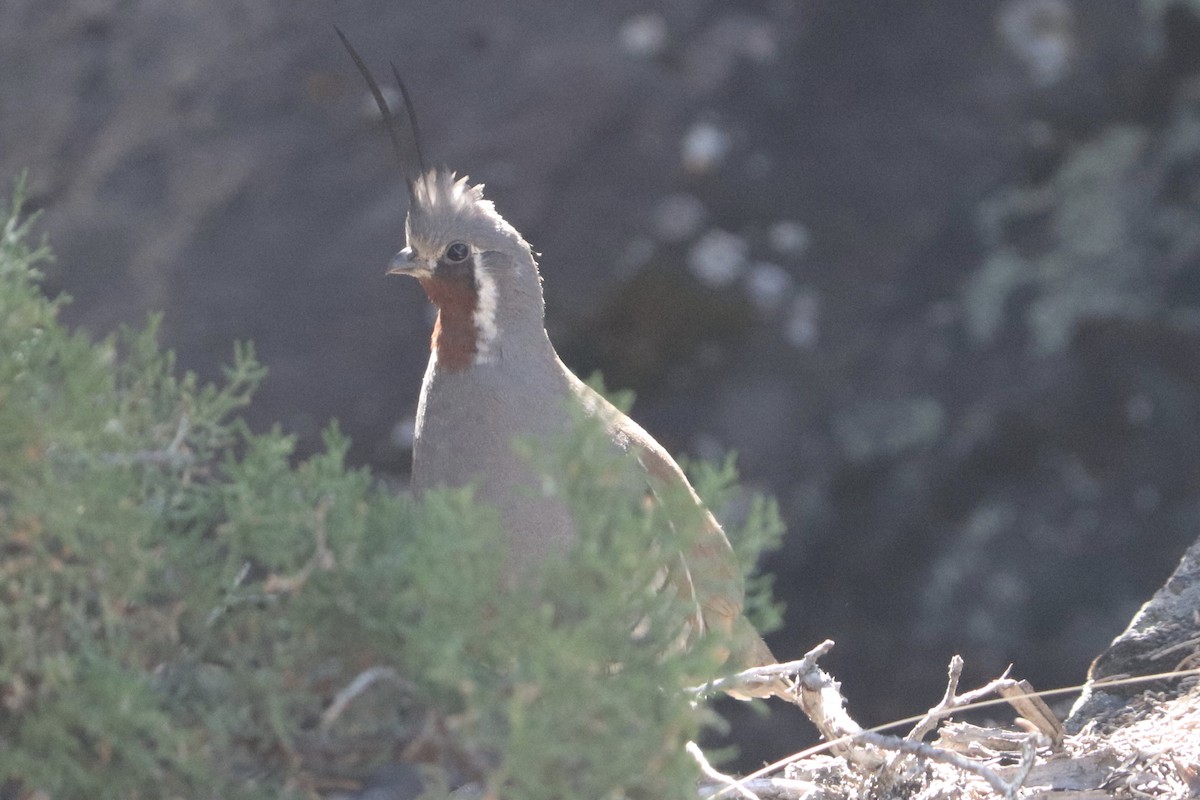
x: 711, y: 772
x: 768, y: 789
x: 363, y: 681
x: 922, y: 750
x: 767, y: 674
x: 951, y: 700
x: 322, y: 557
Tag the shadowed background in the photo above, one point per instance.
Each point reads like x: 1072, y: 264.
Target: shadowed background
x: 931, y: 268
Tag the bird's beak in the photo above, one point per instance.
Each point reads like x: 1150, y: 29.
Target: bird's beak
x: 407, y: 263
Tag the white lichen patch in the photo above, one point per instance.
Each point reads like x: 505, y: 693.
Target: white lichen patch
x: 789, y: 237
x: 643, y: 35
x: 767, y: 286
x: 678, y: 217
x: 801, y: 325
x: 718, y: 259
x: 1089, y: 260
x: 704, y: 147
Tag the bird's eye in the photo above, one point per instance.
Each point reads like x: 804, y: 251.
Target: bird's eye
x: 457, y: 252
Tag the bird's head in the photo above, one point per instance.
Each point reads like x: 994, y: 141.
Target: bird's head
x: 473, y: 265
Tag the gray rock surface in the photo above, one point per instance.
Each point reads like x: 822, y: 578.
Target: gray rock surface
x: 1164, y: 636
x: 957, y: 330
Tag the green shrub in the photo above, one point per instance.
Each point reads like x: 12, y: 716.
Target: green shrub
x: 185, y: 611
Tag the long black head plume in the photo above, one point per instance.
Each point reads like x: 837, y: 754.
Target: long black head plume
x: 408, y: 150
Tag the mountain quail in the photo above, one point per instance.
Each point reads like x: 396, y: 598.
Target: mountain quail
x: 493, y: 375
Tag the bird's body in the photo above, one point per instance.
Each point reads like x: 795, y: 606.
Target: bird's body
x: 457, y: 441
x: 493, y: 376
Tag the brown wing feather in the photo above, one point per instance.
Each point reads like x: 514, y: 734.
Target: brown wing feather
x: 712, y: 570
x: 708, y: 572
x: 710, y: 561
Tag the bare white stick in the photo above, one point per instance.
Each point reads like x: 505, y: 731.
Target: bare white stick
x: 817, y: 694
x: 767, y: 674
x: 922, y: 750
x: 780, y: 788
x: 709, y: 770
x: 952, y: 700
x: 360, y: 684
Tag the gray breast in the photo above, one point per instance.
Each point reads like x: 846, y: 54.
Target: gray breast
x: 466, y: 423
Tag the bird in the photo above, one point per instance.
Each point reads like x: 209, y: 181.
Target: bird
x: 494, y: 374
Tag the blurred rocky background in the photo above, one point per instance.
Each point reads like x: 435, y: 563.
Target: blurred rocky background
x: 931, y: 268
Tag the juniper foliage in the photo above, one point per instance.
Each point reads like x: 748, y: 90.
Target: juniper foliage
x: 187, y: 611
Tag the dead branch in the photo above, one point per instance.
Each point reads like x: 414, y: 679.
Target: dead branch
x: 759, y: 676
x: 721, y: 778
x: 322, y: 557
x: 921, y: 750
x: 767, y: 789
x: 1033, y: 709
x: 175, y: 454
x: 363, y: 681
x: 951, y: 700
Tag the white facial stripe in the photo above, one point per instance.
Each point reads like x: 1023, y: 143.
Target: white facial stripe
x: 485, y: 309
